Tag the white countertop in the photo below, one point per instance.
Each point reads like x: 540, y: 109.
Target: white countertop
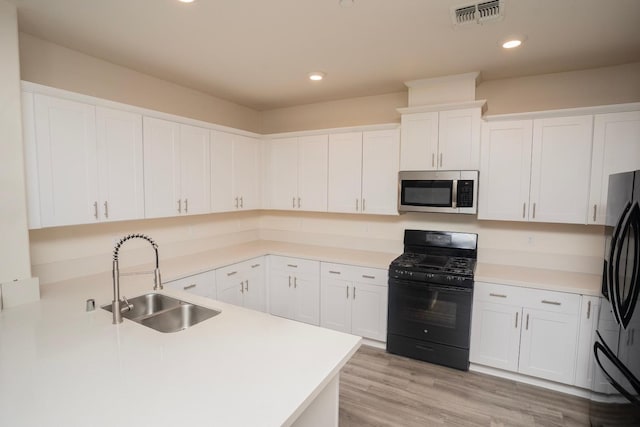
x: 61, y: 365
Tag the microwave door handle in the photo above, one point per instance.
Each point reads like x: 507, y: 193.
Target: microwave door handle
x: 601, y: 346
x: 454, y: 194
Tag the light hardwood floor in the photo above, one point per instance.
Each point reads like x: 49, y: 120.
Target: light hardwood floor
x: 381, y: 389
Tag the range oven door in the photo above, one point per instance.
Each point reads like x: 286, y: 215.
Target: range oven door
x: 429, y: 312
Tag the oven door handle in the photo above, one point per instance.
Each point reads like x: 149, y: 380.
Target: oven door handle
x: 430, y: 286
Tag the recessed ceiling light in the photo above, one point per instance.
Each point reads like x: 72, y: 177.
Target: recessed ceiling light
x: 512, y: 41
x: 510, y: 44
x: 186, y: 1
x: 316, y: 76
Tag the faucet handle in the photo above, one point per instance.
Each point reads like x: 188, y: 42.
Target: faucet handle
x: 127, y: 305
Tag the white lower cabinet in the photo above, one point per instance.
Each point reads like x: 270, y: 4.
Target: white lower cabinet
x: 529, y: 331
x: 203, y: 284
x: 243, y: 284
x: 354, y: 300
x: 294, y: 288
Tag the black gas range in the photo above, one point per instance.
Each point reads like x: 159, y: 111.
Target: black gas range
x: 430, y: 296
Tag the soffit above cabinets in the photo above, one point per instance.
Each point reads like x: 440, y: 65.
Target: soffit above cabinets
x: 259, y: 53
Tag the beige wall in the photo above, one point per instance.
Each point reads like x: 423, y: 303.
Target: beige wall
x: 14, y: 242
x: 50, y: 64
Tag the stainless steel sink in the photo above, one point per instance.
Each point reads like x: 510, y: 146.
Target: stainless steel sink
x: 164, y: 313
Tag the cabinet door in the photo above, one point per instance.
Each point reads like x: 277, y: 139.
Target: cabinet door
x: 459, y: 139
x: 380, y: 151
x: 419, y: 141
x: 616, y: 148
x: 254, y: 284
x: 561, y: 169
x: 585, y: 365
x: 280, y: 294
x: 195, y: 166
x: 335, y: 304
x: 230, y: 285
x: 345, y: 172
x: 369, y: 311
x: 246, y: 171
x: 119, y: 143
x: 67, y: 164
x: 222, y: 199
x: 306, y: 299
x: 161, y: 168
x: 506, y: 170
x: 203, y: 284
x: 313, y: 164
x: 283, y: 173
x: 495, y: 335
x: 548, y: 345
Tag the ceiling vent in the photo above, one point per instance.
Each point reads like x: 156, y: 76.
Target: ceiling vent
x: 478, y: 13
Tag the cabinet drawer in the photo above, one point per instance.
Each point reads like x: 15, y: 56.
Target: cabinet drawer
x: 294, y: 265
x: 558, y: 302
x: 499, y: 294
x: 351, y: 273
x: 229, y: 271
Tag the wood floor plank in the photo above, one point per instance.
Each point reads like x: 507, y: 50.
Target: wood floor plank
x: 381, y: 389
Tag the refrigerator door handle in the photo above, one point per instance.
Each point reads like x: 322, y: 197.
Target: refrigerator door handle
x: 601, y: 346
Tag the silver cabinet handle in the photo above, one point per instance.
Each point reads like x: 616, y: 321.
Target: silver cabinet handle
x: 292, y: 265
x: 179, y: 205
x: 588, y: 309
x: 236, y: 203
x: 534, y: 210
x: 347, y: 292
x: 298, y: 202
x: 241, y: 202
x: 255, y: 266
x: 440, y: 159
x: 293, y: 202
x: 354, y: 292
x: 364, y: 276
x: 186, y: 205
x: 232, y: 273
x: 334, y: 272
x: 246, y: 285
x: 363, y: 208
x: 544, y: 301
x: 433, y: 160
x: 594, y: 211
x: 527, y: 325
x: 106, y: 209
x: 289, y: 281
x: 498, y: 295
x: 95, y: 209
x: 524, y: 209
x: 242, y: 287
x: 190, y: 286
x: 517, y: 319
x: 356, y: 205
x: 295, y: 282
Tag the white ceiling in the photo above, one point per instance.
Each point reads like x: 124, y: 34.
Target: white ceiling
x: 257, y: 53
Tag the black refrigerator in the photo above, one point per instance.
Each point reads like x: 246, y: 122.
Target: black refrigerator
x: 616, y: 397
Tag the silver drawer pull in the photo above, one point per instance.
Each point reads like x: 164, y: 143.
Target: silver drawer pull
x: 368, y: 277
x: 232, y: 273
x: 334, y: 272
x: 588, y: 310
x: 255, y: 265
x: 189, y: 286
x: 544, y: 301
x: 292, y: 265
x: 498, y: 295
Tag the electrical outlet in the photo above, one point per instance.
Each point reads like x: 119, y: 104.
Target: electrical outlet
x: 530, y: 240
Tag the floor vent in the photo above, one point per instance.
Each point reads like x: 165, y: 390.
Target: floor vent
x: 478, y: 13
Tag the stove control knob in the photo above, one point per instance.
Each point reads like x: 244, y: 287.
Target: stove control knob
x: 449, y: 278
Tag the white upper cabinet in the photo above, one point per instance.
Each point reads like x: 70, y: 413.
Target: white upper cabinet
x: 536, y: 170
x: 363, y: 172
x: 176, y: 169
x: 67, y: 161
x: 235, y: 172
x: 505, y: 170
x: 616, y: 148
x: 445, y: 140
x: 561, y: 169
x: 298, y: 173
x: 120, y: 184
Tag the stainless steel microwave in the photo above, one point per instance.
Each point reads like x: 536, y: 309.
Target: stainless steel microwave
x: 438, y: 191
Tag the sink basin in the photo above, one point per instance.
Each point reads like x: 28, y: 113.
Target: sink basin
x: 164, y: 313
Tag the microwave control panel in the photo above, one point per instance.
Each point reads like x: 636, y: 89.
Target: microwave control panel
x: 465, y: 194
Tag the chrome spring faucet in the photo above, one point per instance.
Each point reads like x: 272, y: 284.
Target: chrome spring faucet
x: 116, y: 309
